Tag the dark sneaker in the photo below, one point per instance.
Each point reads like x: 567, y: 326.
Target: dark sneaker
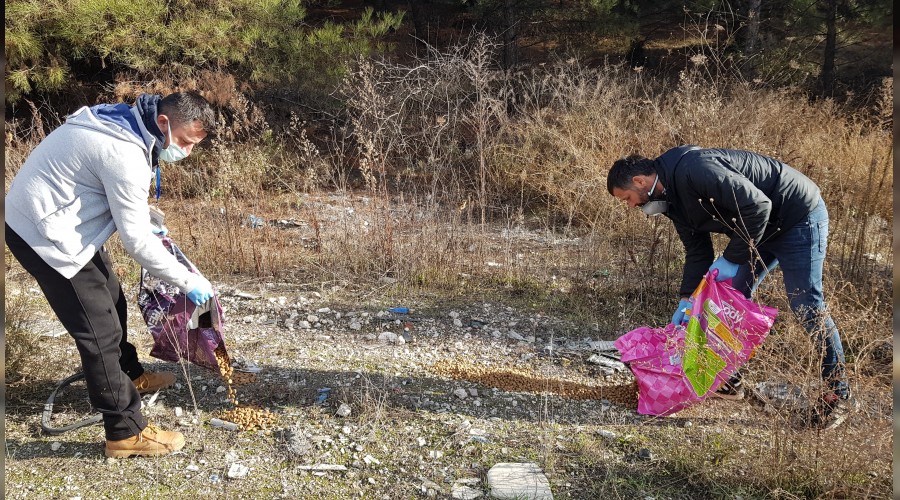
x: 153, y: 381
x: 831, y: 411
x: 731, y: 390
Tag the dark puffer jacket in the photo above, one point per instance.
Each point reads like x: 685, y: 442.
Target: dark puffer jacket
x: 749, y: 197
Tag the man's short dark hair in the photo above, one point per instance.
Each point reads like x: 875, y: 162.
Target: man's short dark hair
x: 623, y: 171
x: 187, y: 107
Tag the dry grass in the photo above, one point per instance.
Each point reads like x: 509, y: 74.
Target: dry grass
x: 479, y: 184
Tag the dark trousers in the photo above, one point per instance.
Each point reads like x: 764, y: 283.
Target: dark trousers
x: 92, y: 308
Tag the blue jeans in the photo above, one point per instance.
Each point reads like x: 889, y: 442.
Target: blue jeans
x: 800, y: 251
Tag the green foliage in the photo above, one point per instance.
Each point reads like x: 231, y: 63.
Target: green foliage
x: 264, y: 41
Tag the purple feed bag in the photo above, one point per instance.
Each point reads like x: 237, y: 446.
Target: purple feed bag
x: 180, y: 329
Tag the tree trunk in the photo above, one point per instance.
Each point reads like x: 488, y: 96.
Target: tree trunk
x: 752, y: 37
x: 830, y: 47
x: 510, y: 44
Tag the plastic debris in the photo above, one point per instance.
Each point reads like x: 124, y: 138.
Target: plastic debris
x: 322, y: 395
x: 217, y: 422
x: 255, y: 222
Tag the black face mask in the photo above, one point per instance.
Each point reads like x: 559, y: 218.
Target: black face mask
x: 655, y: 207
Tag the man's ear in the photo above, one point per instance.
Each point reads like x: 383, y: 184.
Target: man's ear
x: 638, y: 182
x: 161, y: 122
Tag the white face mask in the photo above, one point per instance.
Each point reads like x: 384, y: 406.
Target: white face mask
x: 656, y: 207
x: 174, y: 152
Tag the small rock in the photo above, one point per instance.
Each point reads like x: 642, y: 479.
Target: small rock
x: 457, y: 323
x: 465, y: 493
x: 390, y: 338
x: 514, y: 336
x: 312, y: 318
x: 460, y: 393
x: 369, y: 460
x: 645, y: 454
x: 421, y: 441
x: 356, y: 325
x: 435, y: 454
x: 221, y: 388
x: 178, y: 411
x: 473, y: 392
x: 518, y: 480
x: 304, y: 325
x: 322, y: 338
x: 192, y: 468
x: 296, y: 441
x: 343, y: 410
x: 55, y: 446
x: 606, y: 434
x: 323, y: 467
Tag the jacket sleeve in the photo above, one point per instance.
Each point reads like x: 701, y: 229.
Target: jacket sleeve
x: 723, y: 191
x: 127, y: 194
x: 698, y: 256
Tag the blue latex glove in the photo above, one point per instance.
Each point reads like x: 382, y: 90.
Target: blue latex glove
x: 726, y: 268
x: 202, y: 293
x: 160, y: 231
x: 679, y: 317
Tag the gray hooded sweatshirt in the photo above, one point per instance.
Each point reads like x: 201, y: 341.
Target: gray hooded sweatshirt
x: 84, y: 181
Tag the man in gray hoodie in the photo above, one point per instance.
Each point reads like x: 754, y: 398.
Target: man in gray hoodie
x: 84, y: 181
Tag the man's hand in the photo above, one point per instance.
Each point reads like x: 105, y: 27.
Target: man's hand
x: 202, y: 293
x: 726, y: 268
x: 679, y: 318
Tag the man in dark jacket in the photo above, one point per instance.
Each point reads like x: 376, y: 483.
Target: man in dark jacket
x: 773, y: 215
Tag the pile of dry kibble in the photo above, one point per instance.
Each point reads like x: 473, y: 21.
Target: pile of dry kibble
x: 248, y: 418
x: 517, y: 379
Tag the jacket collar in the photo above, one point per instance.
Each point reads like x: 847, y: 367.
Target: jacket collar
x: 665, y: 166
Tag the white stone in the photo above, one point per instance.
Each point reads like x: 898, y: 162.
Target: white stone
x: 421, y: 441
x: 460, y: 492
x: 606, y: 434
x: 356, y: 325
x: 55, y: 446
x: 237, y: 471
x: 435, y: 454
x: 369, y: 460
x: 323, y: 467
x: 192, y: 468
x: 522, y: 481
x: 178, y: 411
x: 391, y: 338
x: 460, y: 393
x: 473, y: 392
x: 344, y: 410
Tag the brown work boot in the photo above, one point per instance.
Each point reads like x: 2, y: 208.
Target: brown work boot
x: 152, y: 381
x: 150, y: 442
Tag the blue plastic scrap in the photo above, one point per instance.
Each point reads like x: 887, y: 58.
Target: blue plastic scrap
x: 323, y: 395
x: 255, y: 222
x: 399, y: 310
